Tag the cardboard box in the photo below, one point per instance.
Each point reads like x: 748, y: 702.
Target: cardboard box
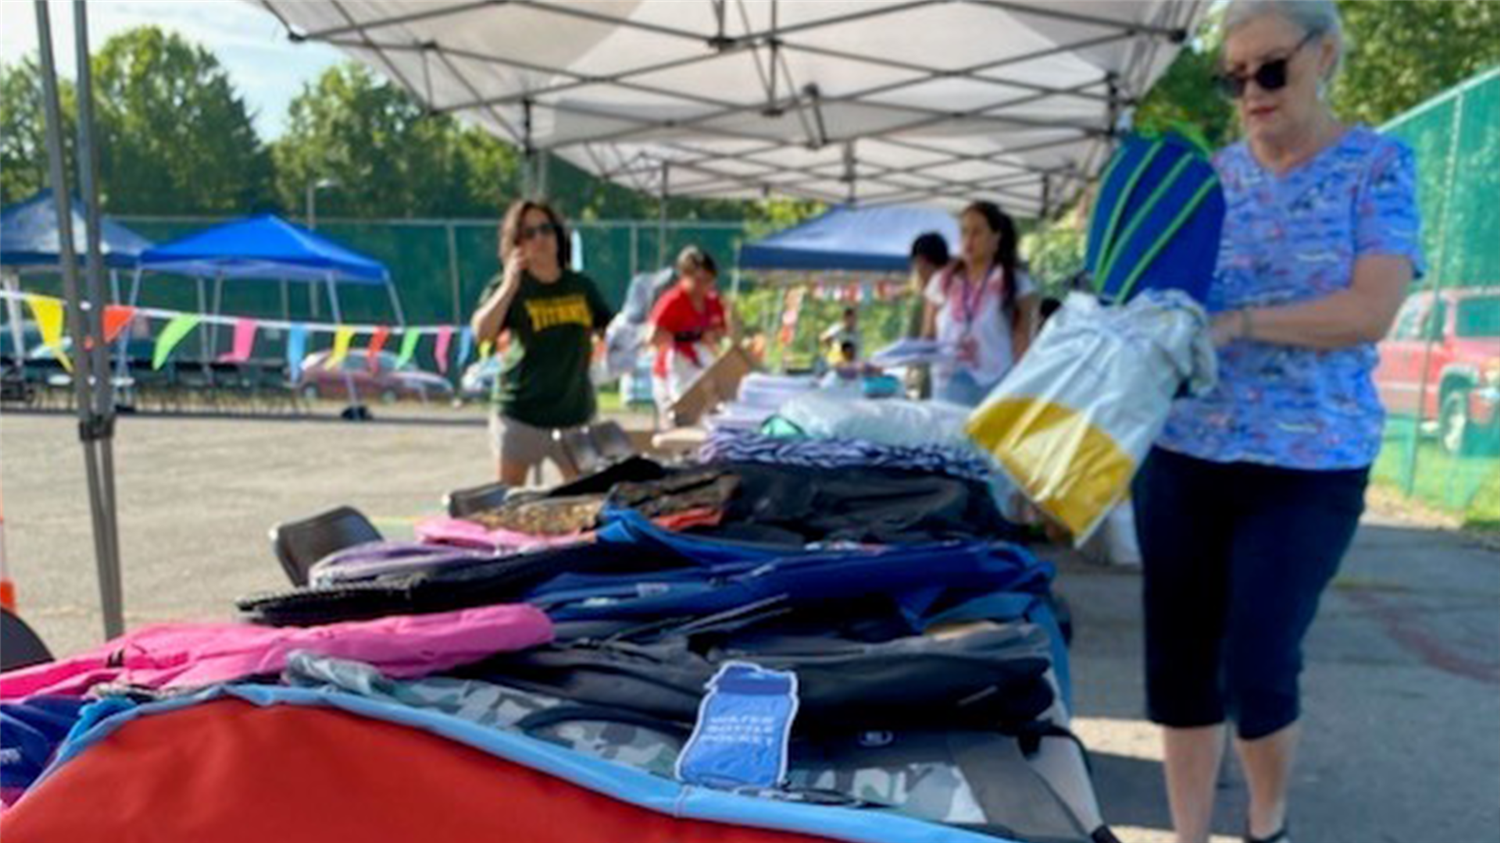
x: 720, y: 382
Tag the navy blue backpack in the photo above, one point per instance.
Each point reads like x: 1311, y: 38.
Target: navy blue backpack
x: 1157, y: 220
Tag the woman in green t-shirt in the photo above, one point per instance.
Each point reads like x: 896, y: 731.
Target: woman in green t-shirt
x: 551, y: 314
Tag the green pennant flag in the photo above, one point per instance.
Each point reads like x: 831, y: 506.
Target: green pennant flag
x: 180, y: 326
x: 409, y: 340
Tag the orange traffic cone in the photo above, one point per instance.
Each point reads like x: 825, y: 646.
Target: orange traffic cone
x: 6, y: 587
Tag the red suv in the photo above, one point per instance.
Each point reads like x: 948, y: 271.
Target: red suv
x: 1442, y: 362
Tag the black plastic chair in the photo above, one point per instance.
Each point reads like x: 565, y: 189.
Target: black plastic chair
x: 611, y: 441
x: 300, y: 544
x: 20, y: 646
x: 463, y: 502
x: 576, y: 452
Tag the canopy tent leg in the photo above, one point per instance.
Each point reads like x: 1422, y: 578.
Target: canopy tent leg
x: 90, y: 376
x: 202, y: 310
x: 12, y: 286
x: 286, y: 300
x: 213, y: 327
x: 122, y: 345
x: 396, y: 305
x: 338, y: 319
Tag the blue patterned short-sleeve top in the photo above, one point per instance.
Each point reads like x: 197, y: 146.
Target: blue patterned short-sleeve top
x: 1290, y: 239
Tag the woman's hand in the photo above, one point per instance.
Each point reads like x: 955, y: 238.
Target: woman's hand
x: 490, y: 318
x: 514, y: 268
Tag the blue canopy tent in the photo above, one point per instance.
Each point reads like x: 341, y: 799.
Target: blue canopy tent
x: 267, y: 247
x: 29, y: 242
x: 847, y: 238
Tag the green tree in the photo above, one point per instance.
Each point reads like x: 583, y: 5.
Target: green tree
x: 387, y: 155
x: 175, y: 136
x: 1403, y: 53
x: 23, y: 147
x: 23, y: 141
x: 1185, y: 99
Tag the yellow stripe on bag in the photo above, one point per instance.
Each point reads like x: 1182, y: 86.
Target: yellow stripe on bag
x: 1071, y: 469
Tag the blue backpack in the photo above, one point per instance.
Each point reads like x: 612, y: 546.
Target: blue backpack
x: 1157, y: 221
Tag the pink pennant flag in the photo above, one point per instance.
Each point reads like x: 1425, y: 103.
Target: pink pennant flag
x: 444, y: 339
x: 244, y: 341
x: 377, y: 342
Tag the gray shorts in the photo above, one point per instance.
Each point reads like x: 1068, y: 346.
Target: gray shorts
x: 517, y: 441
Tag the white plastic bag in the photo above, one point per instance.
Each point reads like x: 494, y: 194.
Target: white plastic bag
x: 1073, y: 420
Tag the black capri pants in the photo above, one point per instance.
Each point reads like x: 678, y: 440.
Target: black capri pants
x: 1236, y: 557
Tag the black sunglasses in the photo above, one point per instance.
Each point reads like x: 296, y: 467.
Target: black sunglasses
x: 1270, y: 76
x: 531, y: 231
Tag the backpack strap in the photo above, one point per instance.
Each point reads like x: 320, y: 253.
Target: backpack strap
x: 539, y: 720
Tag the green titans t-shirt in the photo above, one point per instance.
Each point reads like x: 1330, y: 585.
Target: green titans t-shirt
x: 544, y: 376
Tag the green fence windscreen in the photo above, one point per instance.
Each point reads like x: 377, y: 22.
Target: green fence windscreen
x: 1440, y: 368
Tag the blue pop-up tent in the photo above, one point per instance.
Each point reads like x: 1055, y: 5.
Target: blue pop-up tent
x: 267, y: 247
x: 29, y: 239
x: 846, y: 238
x: 29, y: 242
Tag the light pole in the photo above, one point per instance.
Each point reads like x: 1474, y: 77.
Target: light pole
x: 312, y: 223
x: 312, y: 199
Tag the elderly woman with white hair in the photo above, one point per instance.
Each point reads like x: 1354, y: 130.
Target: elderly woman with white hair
x: 1252, y: 496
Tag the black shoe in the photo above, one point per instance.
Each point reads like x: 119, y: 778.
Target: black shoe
x: 1278, y: 837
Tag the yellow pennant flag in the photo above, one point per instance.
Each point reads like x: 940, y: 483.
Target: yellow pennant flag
x: 485, y: 348
x: 48, y: 313
x: 341, y: 340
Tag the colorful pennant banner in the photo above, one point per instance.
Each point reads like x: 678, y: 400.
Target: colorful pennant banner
x: 48, y: 313
x: 341, y: 340
x: 244, y: 341
x: 409, y: 341
x: 177, y: 328
x: 296, y: 349
x: 377, y: 344
x: 116, y: 318
x: 444, y: 339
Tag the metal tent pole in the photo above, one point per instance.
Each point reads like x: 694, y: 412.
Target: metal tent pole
x: 338, y: 319
x: 104, y: 396
x: 12, y: 285
x: 213, y: 327
x: 93, y: 427
x: 202, y: 311
x: 396, y: 304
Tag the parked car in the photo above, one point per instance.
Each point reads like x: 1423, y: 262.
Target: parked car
x: 1441, y: 363
x: 388, y: 382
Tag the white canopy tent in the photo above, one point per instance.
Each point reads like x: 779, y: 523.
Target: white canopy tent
x: 884, y: 101
x: 880, y: 101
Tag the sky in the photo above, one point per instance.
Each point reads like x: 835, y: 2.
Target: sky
x: 266, y: 68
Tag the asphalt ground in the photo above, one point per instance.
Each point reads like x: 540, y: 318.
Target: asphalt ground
x: 1402, y: 689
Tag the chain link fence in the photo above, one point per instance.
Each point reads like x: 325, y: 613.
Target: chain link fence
x: 1439, y: 374
x: 439, y: 266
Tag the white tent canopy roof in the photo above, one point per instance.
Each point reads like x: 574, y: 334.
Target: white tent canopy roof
x: 881, y: 100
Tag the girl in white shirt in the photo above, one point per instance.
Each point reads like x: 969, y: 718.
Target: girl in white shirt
x: 983, y: 305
